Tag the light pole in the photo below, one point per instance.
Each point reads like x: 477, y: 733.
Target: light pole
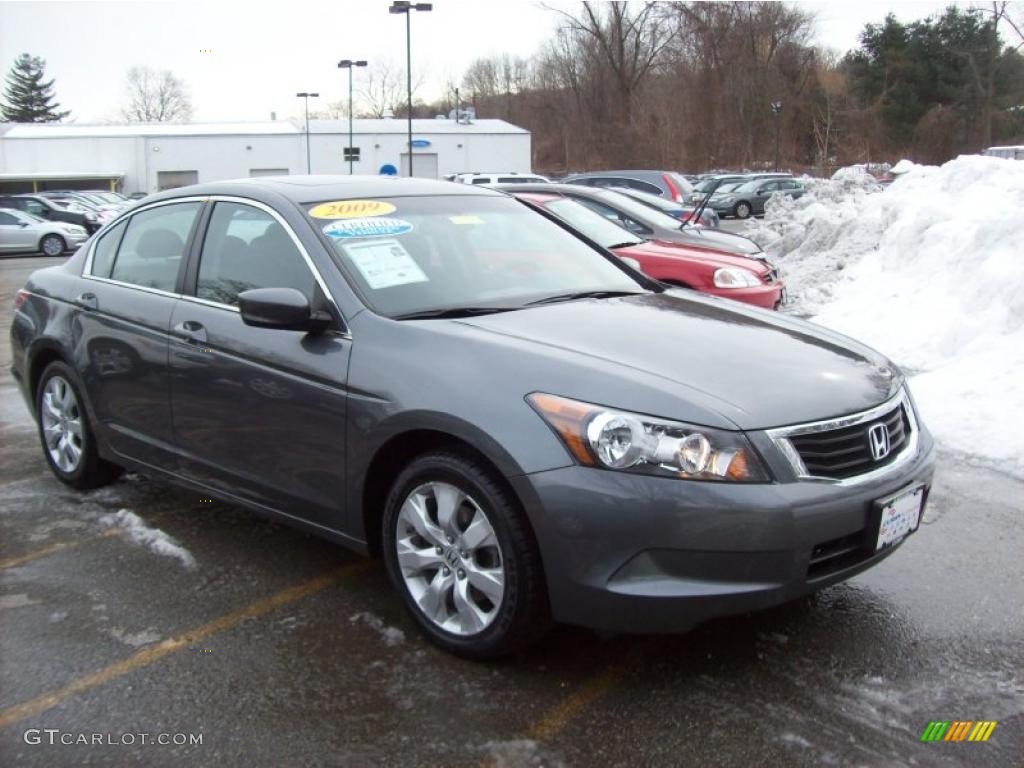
x: 777, y: 111
x: 404, y: 6
x: 349, y: 65
x: 307, y: 97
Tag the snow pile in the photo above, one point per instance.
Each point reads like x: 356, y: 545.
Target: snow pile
x: 930, y: 272
x: 153, y: 539
x: 391, y: 636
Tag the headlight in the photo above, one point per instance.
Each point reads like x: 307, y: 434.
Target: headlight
x: 734, y: 277
x: 630, y: 442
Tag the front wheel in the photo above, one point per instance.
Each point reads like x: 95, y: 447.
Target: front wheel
x: 742, y: 210
x: 462, y: 556
x: 52, y: 245
x: 68, y: 441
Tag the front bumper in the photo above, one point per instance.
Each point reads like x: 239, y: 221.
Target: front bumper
x: 633, y: 553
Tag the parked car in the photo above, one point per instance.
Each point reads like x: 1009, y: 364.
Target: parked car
x: 667, y: 184
x: 681, y: 211
x: 23, y: 232
x: 705, y: 185
x: 50, y: 210
x: 748, y: 199
x: 648, y: 223
x: 499, y: 178
x: 79, y: 203
x: 751, y: 281
x: 524, y: 427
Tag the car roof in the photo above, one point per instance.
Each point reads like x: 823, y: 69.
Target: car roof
x: 310, y: 189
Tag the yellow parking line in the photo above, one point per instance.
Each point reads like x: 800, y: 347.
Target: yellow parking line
x: 558, y: 717
x: 11, y: 562
x: 156, y: 652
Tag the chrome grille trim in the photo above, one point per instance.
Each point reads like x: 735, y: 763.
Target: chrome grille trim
x: 780, y: 436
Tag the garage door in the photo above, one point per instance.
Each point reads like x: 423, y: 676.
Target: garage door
x: 424, y: 166
x: 173, y: 179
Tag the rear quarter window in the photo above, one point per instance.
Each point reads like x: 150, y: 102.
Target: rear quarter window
x: 104, y: 250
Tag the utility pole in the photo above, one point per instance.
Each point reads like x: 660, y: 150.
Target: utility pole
x: 350, y: 65
x: 307, y: 97
x: 777, y: 112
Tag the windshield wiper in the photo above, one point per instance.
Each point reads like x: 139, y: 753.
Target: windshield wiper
x: 446, y: 312
x: 582, y: 295
x: 626, y: 244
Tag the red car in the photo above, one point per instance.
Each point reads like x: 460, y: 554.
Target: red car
x: 719, y: 273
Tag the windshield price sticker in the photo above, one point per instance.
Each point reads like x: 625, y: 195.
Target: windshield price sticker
x: 351, y: 209
x: 383, y: 227
x: 385, y: 264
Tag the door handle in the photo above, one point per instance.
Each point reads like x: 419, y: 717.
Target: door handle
x: 87, y: 301
x: 190, y: 330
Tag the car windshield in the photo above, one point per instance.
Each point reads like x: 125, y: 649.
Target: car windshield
x: 707, y: 185
x: 592, y: 224
x: 730, y: 186
x: 416, y: 255
x: 638, y: 210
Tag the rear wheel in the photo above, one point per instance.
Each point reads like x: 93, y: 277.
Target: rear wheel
x: 52, y: 245
x: 462, y: 556
x: 68, y: 442
x: 742, y: 210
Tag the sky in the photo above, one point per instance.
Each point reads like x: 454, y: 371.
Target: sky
x: 245, y: 60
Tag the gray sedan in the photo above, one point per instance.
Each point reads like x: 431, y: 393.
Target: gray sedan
x: 748, y: 199
x: 23, y: 232
x: 524, y: 428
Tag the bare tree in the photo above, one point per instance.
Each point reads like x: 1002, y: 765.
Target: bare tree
x: 384, y: 89
x: 156, y: 97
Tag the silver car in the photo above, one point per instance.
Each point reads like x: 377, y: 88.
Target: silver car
x: 20, y: 231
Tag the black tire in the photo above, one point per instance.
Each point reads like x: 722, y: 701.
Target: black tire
x: 52, y: 245
x: 91, y: 471
x: 742, y: 210
x: 523, y: 614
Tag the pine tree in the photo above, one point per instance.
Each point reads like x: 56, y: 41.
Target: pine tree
x: 28, y: 98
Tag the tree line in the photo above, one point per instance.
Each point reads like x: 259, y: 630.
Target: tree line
x: 690, y: 85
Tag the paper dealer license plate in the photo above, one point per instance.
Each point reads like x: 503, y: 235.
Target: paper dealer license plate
x: 901, y: 514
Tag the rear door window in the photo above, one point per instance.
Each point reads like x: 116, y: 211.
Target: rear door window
x: 245, y: 248
x: 104, y: 250
x: 153, y: 246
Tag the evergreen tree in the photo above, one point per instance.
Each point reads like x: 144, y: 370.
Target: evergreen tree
x: 29, y: 98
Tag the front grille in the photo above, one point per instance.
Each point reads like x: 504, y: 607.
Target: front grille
x: 845, y: 452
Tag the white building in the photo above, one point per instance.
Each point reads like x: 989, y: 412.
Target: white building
x: 151, y: 157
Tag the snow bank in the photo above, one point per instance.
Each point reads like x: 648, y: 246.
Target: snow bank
x: 929, y: 271
x: 153, y: 539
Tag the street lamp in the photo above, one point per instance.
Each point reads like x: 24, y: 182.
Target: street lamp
x: 403, y: 6
x: 349, y: 64
x: 307, y: 97
x: 777, y: 111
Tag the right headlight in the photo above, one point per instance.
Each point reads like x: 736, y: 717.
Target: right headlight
x: 631, y: 442
x: 735, y: 277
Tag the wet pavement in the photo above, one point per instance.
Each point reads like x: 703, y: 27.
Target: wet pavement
x: 185, y: 616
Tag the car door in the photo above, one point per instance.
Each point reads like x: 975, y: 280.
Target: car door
x: 764, y: 191
x: 129, y: 287
x: 16, y: 234
x: 258, y: 413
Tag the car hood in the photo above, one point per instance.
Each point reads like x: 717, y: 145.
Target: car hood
x: 711, y: 257
x: 681, y: 356
x: 722, y: 241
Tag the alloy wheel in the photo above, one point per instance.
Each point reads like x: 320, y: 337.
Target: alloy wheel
x: 61, y: 418
x: 450, y: 558
x: 52, y: 245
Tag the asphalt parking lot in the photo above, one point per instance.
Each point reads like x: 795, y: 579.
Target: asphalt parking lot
x: 143, y: 609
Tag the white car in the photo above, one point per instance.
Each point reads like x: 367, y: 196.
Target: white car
x: 20, y: 231
x: 500, y: 178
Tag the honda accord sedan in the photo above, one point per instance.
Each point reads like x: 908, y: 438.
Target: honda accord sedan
x: 524, y: 427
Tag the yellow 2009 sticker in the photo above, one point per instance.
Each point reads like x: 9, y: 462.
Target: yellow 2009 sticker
x: 351, y: 209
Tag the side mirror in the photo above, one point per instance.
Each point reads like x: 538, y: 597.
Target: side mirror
x: 284, y: 309
x: 22, y: 223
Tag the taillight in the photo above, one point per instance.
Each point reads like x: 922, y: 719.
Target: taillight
x: 19, y: 299
x: 673, y: 190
